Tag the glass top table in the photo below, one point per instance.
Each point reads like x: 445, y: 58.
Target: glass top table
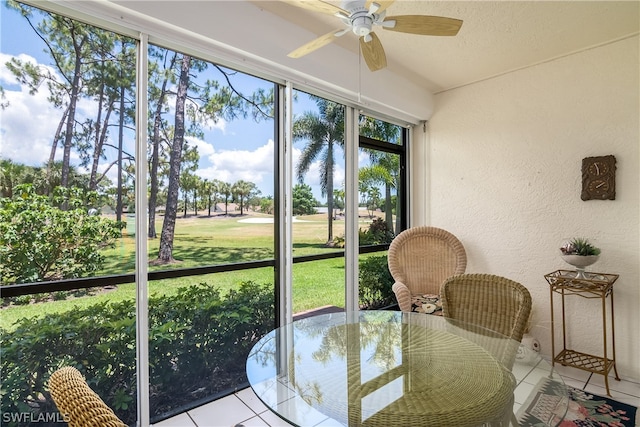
x: 387, y: 368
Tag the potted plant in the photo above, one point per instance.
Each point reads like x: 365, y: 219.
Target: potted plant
x: 580, y: 253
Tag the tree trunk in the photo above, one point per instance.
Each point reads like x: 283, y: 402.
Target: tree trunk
x: 195, y: 202
x: 97, y: 146
x: 97, y: 153
x: 120, y: 143
x: 165, y: 254
x: 329, y: 167
x: 155, y: 156
x: 186, y: 201
x: 52, y: 153
x: 388, y: 210
x: 71, y: 118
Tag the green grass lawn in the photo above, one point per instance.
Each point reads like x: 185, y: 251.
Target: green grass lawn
x: 202, y: 241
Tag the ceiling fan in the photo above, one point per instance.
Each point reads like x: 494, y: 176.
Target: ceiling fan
x: 361, y: 16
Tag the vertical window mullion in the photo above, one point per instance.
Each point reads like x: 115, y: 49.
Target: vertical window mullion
x: 142, y: 302
x: 351, y: 132
x: 284, y: 216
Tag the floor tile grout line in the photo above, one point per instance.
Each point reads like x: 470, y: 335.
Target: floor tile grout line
x: 192, y: 420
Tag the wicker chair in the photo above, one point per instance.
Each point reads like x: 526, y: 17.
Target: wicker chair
x: 77, y: 403
x: 420, y: 259
x: 494, y: 302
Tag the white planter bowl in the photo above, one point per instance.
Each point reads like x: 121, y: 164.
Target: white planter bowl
x: 580, y: 261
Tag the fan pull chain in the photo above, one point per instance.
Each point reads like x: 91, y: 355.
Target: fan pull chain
x: 359, y: 73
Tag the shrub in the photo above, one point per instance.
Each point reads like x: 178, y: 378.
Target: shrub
x: 378, y: 233
x: 198, y: 343
x: 375, y: 283
x: 40, y: 241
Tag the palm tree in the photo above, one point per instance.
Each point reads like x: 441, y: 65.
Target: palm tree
x: 225, y: 189
x: 244, y: 190
x: 384, y: 170
x: 321, y: 130
x: 385, y: 167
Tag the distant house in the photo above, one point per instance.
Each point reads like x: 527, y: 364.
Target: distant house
x: 231, y: 207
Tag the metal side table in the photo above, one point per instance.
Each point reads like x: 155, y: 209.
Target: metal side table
x: 586, y: 285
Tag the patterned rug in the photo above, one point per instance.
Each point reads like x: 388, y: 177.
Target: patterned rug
x: 545, y: 406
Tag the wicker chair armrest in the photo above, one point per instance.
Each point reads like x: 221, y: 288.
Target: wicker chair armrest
x: 403, y: 295
x: 78, y: 403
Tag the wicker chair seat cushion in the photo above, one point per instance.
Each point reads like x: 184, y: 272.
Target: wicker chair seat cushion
x: 427, y: 304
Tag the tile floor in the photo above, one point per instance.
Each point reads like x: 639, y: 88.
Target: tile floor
x: 244, y: 408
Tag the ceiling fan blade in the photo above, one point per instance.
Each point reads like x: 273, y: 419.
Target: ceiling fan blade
x: 383, y: 5
x: 423, y: 25
x: 373, y: 52
x: 318, y: 6
x: 315, y: 44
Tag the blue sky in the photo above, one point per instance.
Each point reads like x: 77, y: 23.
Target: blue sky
x: 229, y: 151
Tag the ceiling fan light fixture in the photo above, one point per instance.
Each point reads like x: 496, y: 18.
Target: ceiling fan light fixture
x: 361, y: 25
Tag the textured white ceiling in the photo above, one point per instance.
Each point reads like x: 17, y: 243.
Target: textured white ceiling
x: 496, y: 36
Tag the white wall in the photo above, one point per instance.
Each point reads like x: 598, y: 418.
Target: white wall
x: 504, y: 160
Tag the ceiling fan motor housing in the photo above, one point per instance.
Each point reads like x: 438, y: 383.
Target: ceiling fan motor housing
x: 360, y: 19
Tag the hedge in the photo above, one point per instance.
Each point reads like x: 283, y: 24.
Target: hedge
x: 198, y: 342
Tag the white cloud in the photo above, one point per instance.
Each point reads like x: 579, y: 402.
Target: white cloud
x: 220, y: 124
x: 205, y: 149
x: 233, y: 165
x: 28, y: 124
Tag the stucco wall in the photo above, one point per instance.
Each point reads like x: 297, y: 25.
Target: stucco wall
x: 504, y: 159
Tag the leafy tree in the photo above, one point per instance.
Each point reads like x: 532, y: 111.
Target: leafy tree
x: 41, y: 242
x: 254, y: 202
x: 322, y: 131
x: 13, y: 174
x: 266, y: 205
x: 302, y: 200
x: 10, y: 174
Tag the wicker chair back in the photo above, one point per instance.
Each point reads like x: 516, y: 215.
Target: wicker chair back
x: 420, y: 259
x: 494, y: 302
